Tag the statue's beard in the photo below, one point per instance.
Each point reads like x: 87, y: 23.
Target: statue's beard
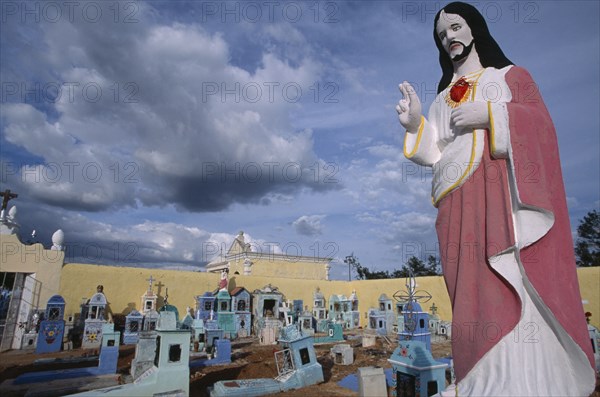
x: 465, y: 52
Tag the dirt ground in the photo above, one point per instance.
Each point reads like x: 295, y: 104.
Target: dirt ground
x: 249, y: 360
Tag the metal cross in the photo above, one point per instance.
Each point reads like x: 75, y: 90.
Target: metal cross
x: 410, y: 295
x: 150, y: 281
x: 7, y: 196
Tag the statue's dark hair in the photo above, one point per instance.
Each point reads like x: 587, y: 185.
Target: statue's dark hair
x: 490, y: 54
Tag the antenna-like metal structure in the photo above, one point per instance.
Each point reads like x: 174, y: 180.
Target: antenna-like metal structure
x: 409, y: 297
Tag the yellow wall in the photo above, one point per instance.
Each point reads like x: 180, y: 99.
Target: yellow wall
x: 124, y: 287
x: 267, y: 266
x: 45, y: 264
x: 589, y: 285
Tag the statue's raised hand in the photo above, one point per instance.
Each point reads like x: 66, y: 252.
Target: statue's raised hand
x: 409, y: 108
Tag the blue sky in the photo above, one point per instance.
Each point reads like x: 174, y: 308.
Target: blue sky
x: 152, y: 132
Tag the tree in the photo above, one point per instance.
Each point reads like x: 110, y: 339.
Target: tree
x: 587, y: 246
x: 363, y: 273
x: 416, y: 265
x: 434, y: 267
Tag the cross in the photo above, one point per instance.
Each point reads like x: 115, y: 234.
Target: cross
x: 410, y: 295
x: 433, y: 309
x: 8, y: 195
x: 150, y: 280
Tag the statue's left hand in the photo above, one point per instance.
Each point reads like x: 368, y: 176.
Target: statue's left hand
x: 470, y: 115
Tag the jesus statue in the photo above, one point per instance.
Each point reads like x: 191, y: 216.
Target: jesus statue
x: 505, y: 240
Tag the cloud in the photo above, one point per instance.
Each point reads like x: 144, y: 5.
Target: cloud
x: 309, y: 225
x: 146, y: 243
x: 161, y: 113
x: 140, y: 132
x: 404, y: 234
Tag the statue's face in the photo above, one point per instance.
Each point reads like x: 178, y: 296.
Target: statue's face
x: 454, y: 34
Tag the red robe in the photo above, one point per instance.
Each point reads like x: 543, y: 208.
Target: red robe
x: 475, y: 223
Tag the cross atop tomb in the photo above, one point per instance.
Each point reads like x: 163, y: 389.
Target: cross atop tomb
x: 411, y: 295
x: 433, y: 309
x: 150, y: 281
x: 7, y: 195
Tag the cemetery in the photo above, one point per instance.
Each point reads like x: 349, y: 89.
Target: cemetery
x: 239, y: 335
x: 236, y: 343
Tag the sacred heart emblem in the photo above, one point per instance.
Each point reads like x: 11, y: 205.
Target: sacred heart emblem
x: 459, y: 89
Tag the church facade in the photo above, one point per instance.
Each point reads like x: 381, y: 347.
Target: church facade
x: 240, y: 259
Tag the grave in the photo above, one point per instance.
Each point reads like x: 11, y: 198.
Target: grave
x: 205, y: 306
x: 371, y: 382
x: 307, y: 322
x: 107, y: 363
x: 225, y: 316
x: 31, y: 328
x: 240, y: 303
x: 187, y: 321
x: 220, y: 355
x: 382, y: 319
x: 342, y: 354
x: 399, y: 315
x: 344, y: 310
x: 434, y: 320
x: 169, y: 373
x: 145, y: 350
x: 297, y: 367
x: 352, y: 315
x: 149, y: 298
x: 377, y: 321
x: 333, y: 333
x: 168, y: 308
x: 92, y: 331
x: 110, y: 337
x: 29, y: 341
x: 52, y: 329
x: 297, y: 308
x: 319, y: 307
x: 268, y: 336
x: 415, y: 372
x: 133, y: 326
x: 369, y: 340
x: 335, y: 308
x: 415, y: 320
x: 212, y: 333
x: 150, y: 320
x: 385, y: 306
x: 69, y: 323
x: 266, y: 303
x: 286, y: 313
x: 167, y: 321
x: 416, y: 325
x: 198, y: 335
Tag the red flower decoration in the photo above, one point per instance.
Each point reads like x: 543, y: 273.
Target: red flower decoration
x: 459, y: 89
